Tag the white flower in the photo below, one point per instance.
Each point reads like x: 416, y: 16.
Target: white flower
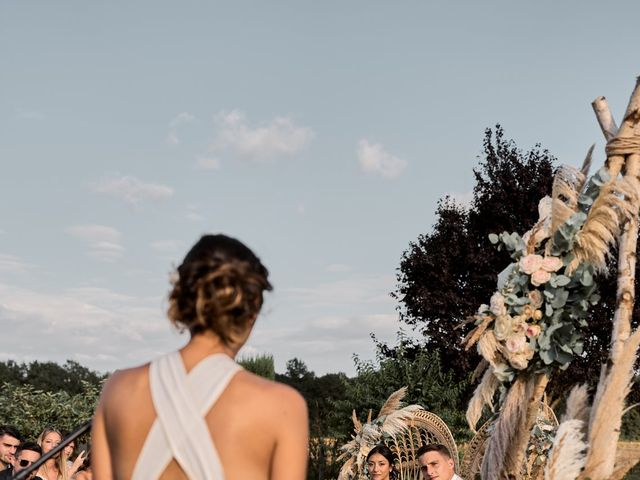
x: 502, y: 327
x: 497, y: 304
x: 483, y: 308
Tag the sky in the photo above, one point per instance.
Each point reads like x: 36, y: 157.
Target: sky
x: 321, y: 134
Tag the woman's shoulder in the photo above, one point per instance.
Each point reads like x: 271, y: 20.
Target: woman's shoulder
x: 128, y: 379
x: 270, y: 392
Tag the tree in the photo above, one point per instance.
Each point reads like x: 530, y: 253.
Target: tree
x: 448, y: 273
x: 260, y: 365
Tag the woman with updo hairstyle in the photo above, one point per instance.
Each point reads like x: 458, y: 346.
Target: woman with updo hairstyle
x: 381, y: 463
x: 195, y: 413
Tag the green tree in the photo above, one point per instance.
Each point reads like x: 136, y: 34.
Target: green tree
x: 260, y: 365
x: 31, y: 410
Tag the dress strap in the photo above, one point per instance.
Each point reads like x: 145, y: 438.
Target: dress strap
x: 181, y: 401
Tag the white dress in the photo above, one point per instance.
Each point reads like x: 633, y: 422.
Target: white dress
x: 181, y: 402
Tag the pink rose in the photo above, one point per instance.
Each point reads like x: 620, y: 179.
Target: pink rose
x: 520, y: 360
x: 532, y: 331
x: 535, y: 297
x: 539, y: 277
x: 551, y: 264
x: 530, y: 263
x: 516, y: 343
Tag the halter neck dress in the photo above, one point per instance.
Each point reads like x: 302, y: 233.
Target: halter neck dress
x: 181, y: 402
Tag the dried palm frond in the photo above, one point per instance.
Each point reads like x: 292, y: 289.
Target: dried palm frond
x: 393, y: 402
x: 578, y: 405
x: 618, y: 201
x: 483, y: 395
x: 568, y: 452
x: 606, y: 413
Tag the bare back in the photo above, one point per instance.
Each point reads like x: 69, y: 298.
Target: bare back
x: 259, y: 428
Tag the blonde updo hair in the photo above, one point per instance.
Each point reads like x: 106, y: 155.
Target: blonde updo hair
x: 218, y: 288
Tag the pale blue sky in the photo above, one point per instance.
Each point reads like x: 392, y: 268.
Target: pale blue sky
x: 320, y: 133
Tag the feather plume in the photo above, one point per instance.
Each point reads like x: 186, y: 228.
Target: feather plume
x: 393, y: 402
x: 586, y: 164
x: 577, y: 405
x: 356, y: 423
x: 474, y: 335
x: 567, y: 184
x: 483, y: 395
x: 479, y: 370
x: 567, y: 455
x: 618, y: 201
x: 606, y: 413
x: 488, y: 347
x: 497, y: 457
x: 397, y: 422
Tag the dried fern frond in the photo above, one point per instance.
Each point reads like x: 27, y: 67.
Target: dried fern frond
x: 618, y: 201
x: 606, y: 413
x: 577, y: 405
x: 567, y: 453
x: 393, y: 403
x: 483, y: 395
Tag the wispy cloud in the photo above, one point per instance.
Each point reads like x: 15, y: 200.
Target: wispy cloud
x: 373, y: 158
x: 13, y: 264
x: 178, y: 121
x: 208, y: 163
x: 30, y: 114
x: 338, y: 268
x: 193, y: 213
x: 103, y: 242
x: 98, y: 327
x: 280, y: 137
x: 131, y: 190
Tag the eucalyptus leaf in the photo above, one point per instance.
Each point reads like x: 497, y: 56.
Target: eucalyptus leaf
x: 493, y: 238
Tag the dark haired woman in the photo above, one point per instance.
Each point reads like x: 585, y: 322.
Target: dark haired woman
x: 195, y: 413
x: 381, y: 463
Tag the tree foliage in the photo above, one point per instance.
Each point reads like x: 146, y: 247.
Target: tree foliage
x: 449, y: 272
x: 261, y: 365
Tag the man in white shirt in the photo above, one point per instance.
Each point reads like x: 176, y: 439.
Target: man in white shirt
x: 436, y: 463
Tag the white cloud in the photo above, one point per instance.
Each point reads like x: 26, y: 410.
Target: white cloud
x: 208, y: 163
x: 132, y: 190
x: 281, y: 137
x: 100, y: 328
x: 13, y: 264
x: 373, y: 158
x: 356, y: 289
x: 179, y: 120
x: 103, y: 242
